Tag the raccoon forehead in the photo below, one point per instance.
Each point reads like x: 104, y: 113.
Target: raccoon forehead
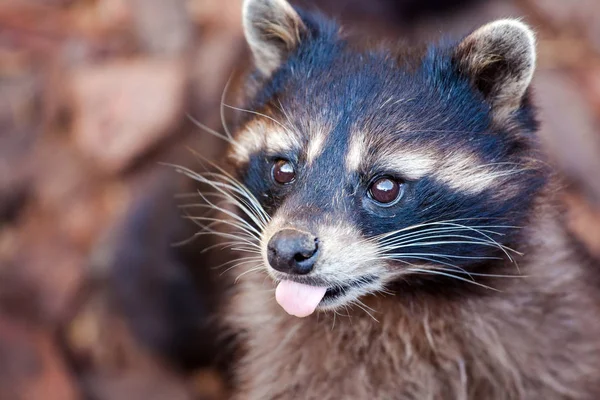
x: 263, y: 136
x: 366, y: 152
x: 271, y: 136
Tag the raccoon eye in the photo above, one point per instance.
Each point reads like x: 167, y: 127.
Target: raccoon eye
x: 385, y: 190
x: 283, y: 172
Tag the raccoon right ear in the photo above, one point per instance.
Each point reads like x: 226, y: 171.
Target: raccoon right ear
x: 499, y: 59
x: 272, y: 29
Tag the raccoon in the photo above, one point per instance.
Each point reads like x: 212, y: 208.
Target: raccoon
x: 396, y: 228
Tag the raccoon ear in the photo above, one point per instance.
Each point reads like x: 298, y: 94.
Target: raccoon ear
x: 272, y: 29
x: 499, y: 59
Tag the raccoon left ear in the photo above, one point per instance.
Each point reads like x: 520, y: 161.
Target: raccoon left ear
x: 272, y: 29
x: 499, y: 59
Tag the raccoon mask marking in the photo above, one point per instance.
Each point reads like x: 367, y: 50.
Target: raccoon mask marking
x: 375, y: 167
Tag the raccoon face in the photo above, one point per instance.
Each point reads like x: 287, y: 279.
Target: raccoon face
x: 375, y: 168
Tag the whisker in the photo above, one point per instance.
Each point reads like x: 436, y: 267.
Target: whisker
x: 434, y: 272
x: 222, y: 109
x: 239, y: 265
x: 254, y: 258
x: 247, y: 195
x: 448, y: 256
x: 452, y: 223
x: 490, y: 240
x: 400, y: 241
x: 483, y: 275
x: 230, y: 213
x: 250, y: 232
x: 233, y: 185
x: 211, y: 131
x: 230, y: 245
x: 365, y: 308
x: 455, y: 267
x: 224, y: 235
x: 287, y: 129
x: 256, y: 269
x: 214, y: 222
x: 435, y: 243
x: 428, y: 231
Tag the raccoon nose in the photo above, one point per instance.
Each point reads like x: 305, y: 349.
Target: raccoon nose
x: 292, y: 251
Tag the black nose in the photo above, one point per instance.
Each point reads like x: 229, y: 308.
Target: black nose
x: 292, y: 251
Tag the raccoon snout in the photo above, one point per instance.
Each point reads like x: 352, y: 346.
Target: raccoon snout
x: 293, y: 251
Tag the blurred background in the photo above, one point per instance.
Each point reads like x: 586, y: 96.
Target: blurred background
x: 95, y: 301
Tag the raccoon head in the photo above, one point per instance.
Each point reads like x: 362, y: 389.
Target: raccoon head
x: 376, y: 164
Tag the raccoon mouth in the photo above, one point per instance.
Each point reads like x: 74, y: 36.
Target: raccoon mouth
x: 338, y: 291
x: 302, y: 299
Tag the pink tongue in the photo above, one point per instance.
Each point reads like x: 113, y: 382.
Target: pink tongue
x: 299, y: 299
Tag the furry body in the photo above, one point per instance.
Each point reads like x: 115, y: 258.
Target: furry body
x: 419, y: 304
x: 537, y: 339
